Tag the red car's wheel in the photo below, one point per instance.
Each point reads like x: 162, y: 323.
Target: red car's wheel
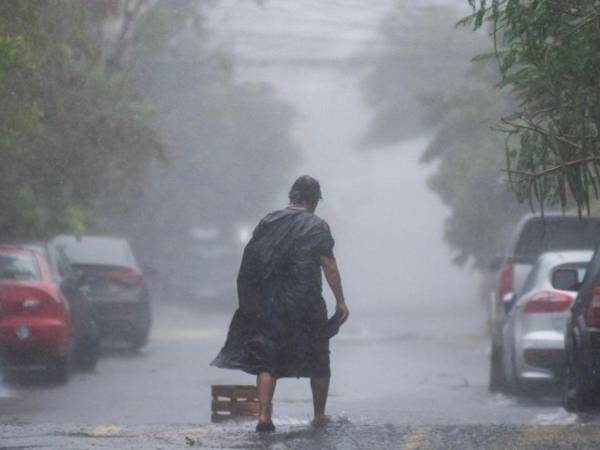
x: 59, y: 370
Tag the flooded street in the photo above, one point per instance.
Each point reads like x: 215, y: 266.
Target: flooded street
x: 275, y: 90
x: 419, y: 385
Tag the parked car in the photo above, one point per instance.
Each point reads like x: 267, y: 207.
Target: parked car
x: 582, y: 343
x: 115, y: 284
x: 533, y: 236
x: 534, y: 330
x: 35, y: 324
x: 86, y: 338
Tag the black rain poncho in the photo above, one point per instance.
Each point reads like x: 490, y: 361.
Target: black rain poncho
x: 280, y: 326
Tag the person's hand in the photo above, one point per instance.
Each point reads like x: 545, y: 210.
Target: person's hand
x: 342, y: 309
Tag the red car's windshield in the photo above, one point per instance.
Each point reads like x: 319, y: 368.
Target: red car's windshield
x: 19, y: 266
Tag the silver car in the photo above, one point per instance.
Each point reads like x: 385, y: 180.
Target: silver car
x: 534, y: 330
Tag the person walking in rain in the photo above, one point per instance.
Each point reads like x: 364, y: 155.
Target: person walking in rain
x: 280, y: 328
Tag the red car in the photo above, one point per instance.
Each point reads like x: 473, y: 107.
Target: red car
x: 35, y: 324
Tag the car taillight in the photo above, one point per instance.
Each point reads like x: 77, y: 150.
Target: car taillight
x: 42, y: 305
x: 593, y: 314
x: 548, y: 302
x: 505, y: 282
x: 31, y: 303
x: 125, y: 276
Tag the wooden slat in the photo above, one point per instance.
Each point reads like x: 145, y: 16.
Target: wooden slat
x: 234, y: 402
x: 221, y: 405
x: 235, y: 407
x: 234, y: 391
x: 247, y: 408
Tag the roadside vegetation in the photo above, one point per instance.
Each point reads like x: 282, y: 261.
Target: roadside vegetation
x: 121, y: 112
x: 424, y: 83
x: 547, y: 55
x: 513, y: 109
x: 72, y: 134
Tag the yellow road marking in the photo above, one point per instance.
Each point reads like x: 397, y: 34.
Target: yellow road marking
x: 546, y: 436
x: 416, y: 440
x: 550, y: 434
x: 105, y: 431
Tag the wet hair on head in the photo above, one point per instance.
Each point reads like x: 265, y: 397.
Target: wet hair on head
x: 305, y: 190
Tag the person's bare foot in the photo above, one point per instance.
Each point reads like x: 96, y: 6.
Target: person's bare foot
x: 320, y: 421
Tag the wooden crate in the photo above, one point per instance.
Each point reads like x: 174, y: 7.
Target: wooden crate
x: 234, y: 402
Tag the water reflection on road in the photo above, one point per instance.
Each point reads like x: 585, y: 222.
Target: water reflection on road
x: 398, y: 377
x: 397, y: 366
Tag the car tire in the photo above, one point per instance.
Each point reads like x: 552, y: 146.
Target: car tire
x: 89, y: 351
x: 88, y: 358
x: 513, y: 382
x: 12, y: 377
x: 576, y: 394
x: 59, y: 370
x: 138, y: 340
x: 497, y: 380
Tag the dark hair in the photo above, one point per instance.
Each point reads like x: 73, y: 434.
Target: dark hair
x: 305, y: 190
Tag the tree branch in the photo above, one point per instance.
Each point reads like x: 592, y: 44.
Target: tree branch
x: 553, y: 169
x: 114, y: 61
x: 532, y: 127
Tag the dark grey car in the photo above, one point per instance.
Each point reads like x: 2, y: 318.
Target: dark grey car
x: 114, y: 282
x: 582, y: 344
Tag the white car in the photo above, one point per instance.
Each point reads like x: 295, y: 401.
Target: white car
x: 534, y: 330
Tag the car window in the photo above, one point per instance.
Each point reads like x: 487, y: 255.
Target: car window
x: 44, y: 251
x: 553, y: 234
x: 64, y: 266
x: 531, y: 279
x: 581, y: 269
x: 97, y: 250
x: 52, y: 264
x: 18, y: 266
x: 594, y: 267
x: 581, y: 272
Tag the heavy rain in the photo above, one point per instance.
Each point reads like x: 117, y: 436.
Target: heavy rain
x: 153, y: 161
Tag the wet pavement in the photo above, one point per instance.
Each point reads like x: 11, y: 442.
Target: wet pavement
x: 401, y: 379
x: 341, y: 434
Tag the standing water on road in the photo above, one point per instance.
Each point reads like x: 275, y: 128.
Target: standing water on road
x: 410, y: 367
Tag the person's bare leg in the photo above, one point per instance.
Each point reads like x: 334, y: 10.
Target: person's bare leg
x: 265, y: 383
x: 320, y: 390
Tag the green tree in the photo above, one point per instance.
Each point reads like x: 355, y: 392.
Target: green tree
x: 228, y: 143
x: 420, y: 52
x: 219, y: 134
x: 423, y: 82
x: 117, y: 116
x: 549, y: 58
x: 75, y: 139
x: 468, y: 157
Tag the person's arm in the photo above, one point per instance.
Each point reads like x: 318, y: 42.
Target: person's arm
x: 332, y: 275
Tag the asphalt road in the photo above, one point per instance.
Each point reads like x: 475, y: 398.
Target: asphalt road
x: 401, y: 379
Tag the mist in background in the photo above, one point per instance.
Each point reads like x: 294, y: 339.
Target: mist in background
x: 200, y: 115
x: 387, y: 222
